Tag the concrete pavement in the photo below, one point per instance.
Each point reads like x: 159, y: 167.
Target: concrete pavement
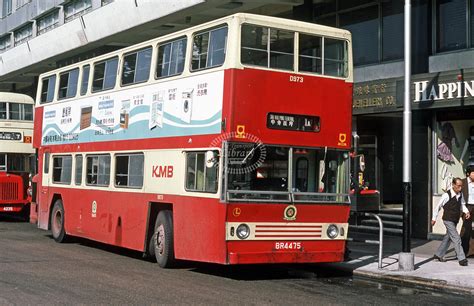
x: 448, y: 276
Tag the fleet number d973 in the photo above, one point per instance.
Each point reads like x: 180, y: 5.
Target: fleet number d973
x: 296, y: 79
x: 288, y: 245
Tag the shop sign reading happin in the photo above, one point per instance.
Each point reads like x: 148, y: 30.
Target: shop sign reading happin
x: 424, y: 91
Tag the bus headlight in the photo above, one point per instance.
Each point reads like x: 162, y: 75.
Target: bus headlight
x: 332, y: 231
x: 243, y: 231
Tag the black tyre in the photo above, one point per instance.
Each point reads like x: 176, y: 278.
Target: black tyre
x: 163, y: 239
x: 57, y: 222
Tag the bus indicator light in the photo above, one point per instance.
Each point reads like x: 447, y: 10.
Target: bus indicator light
x: 240, y: 131
x: 342, y: 139
x: 27, y: 139
x: 236, y: 212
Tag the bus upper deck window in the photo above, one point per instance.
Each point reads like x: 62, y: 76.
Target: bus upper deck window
x: 335, y: 57
x: 47, y: 89
x: 267, y: 47
x: 171, y: 58
x: 310, y: 54
x: 3, y: 110
x: 68, y: 84
x: 85, y: 79
x: 105, y: 74
x: 209, y: 49
x: 136, y: 66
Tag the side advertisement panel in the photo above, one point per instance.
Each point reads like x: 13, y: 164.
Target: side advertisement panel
x: 191, y: 106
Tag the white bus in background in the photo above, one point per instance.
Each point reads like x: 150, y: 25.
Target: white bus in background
x: 16, y: 146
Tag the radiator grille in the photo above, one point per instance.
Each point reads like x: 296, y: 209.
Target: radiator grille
x: 8, y: 191
x: 288, y: 231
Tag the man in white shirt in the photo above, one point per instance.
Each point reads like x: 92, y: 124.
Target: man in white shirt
x: 453, y: 205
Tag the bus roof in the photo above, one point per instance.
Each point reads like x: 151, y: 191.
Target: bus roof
x: 269, y: 21
x: 15, y: 97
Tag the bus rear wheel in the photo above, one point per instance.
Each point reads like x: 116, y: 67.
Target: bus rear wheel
x: 57, y: 222
x: 163, y: 239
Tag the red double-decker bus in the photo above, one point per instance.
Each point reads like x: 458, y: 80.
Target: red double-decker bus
x: 227, y: 143
x: 16, y: 131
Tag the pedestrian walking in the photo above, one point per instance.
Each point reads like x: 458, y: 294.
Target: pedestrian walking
x: 453, y: 205
x: 468, y: 194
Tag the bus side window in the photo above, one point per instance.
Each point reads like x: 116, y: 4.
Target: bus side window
x: 136, y: 67
x: 46, y: 163
x: 98, y: 170
x: 85, y: 79
x: 209, y: 49
x: 171, y: 58
x: 200, y: 177
x: 68, y: 84
x: 47, y: 89
x: 62, y: 169
x: 129, y: 170
x: 105, y: 74
x: 78, y: 170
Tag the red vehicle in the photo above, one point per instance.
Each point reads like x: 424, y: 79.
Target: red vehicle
x: 16, y: 130
x: 226, y: 143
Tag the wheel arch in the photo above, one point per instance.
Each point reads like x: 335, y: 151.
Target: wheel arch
x: 56, y: 196
x: 154, y: 209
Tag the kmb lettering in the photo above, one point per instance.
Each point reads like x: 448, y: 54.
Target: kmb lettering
x: 162, y: 171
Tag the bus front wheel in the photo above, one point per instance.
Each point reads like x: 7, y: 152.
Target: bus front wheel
x: 57, y: 222
x: 163, y: 239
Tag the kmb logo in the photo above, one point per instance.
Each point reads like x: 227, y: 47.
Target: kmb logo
x: 162, y: 171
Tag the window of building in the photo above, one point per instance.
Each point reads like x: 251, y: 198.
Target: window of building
x: 47, y: 22
x: 129, y: 170
x: 171, y: 58
x: 105, y: 2
x: 136, y: 66
x: 78, y: 171
x: 47, y: 89
x: 199, y: 175
x: 364, y: 26
x: 209, y: 49
x: 451, y: 25
x: 5, y: 42
x: 76, y: 8
x: 105, y: 74
x: 392, y: 30
x: 376, y: 26
x: 20, y: 3
x: 23, y: 34
x: 98, y: 170
x: 85, y: 79
x: 6, y: 8
x: 267, y: 47
x: 62, y: 168
x: 471, y: 19
x: 68, y: 84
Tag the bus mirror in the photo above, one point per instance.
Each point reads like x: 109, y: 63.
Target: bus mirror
x: 362, y: 162
x: 211, y: 159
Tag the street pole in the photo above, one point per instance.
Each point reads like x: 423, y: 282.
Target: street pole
x: 406, y: 259
x: 407, y: 133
